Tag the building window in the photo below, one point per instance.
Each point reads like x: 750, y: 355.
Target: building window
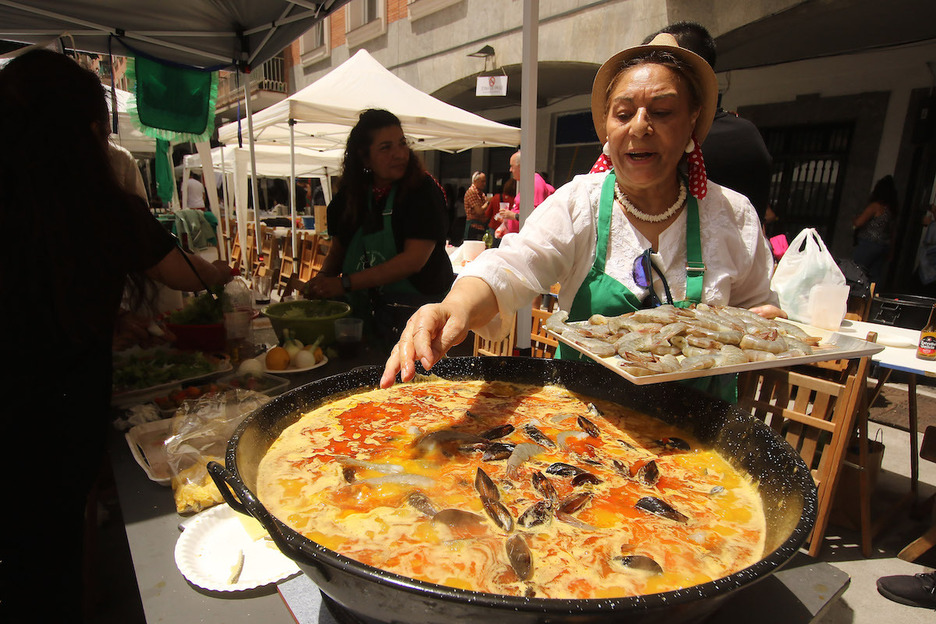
x: 422, y: 8
x: 365, y: 20
x: 314, y: 43
x: 576, y: 146
x: 808, y: 174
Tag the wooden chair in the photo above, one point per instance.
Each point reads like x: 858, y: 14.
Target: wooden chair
x: 818, y: 417
x: 321, y: 251
x: 307, y: 255
x: 496, y: 347
x: 236, y: 252
x: 251, y: 243
x: 267, y: 256
x: 541, y: 344
x: 287, y: 265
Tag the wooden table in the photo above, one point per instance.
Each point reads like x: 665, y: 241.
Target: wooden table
x: 899, y: 354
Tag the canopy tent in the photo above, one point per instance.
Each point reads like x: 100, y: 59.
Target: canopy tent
x: 223, y: 34
x: 127, y: 134
x: 326, y: 110
x: 271, y: 161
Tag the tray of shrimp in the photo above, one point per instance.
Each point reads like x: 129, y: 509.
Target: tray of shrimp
x: 670, y: 344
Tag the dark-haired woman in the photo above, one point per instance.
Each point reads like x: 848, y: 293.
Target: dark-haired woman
x: 388, y: 225
x: 64, y: 265
x: 874, y: 228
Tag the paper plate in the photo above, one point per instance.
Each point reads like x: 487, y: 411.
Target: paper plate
x: 210, y: 549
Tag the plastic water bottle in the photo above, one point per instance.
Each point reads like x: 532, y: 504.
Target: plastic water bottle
x: 237, y: 303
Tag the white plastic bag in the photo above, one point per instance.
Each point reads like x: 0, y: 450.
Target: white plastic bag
x: 805, y: 264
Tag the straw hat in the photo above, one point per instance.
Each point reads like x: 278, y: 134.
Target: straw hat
x: 704, y: 78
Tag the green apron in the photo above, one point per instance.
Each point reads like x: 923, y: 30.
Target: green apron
x: 602, y: 294
x: 368, y: 250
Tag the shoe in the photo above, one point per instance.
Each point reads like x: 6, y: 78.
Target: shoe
x: 918, y: 590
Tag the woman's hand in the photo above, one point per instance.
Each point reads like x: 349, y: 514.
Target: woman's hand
x: 323, y: 287
x: 506, y: 214
x: 769, y: 311
x: 428, y: 335
x: 437, y: 327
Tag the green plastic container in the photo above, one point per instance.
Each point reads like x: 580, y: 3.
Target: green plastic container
x: 306, y: 320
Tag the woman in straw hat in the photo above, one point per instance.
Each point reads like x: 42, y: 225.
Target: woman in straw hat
x: 640, y: 235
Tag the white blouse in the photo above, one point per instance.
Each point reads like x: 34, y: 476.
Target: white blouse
x: 557, y: 245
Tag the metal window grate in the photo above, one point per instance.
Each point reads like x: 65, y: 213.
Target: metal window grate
x: 808, y: 173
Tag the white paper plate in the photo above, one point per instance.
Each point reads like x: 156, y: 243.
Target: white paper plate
x: 209, y: 548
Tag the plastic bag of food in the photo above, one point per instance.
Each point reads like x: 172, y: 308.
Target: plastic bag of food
x: 805, y: 264
x: 199, y: 434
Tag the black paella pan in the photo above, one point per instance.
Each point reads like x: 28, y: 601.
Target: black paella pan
x: 784, y: 483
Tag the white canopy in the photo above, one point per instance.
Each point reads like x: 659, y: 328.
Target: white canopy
x: 128, y: 135
x: 326, y: 110
x: 272, y: 161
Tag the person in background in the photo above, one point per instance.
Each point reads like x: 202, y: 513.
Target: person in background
x: 735, y: 153
x: 388, y: 225
x: 622, y: 240
x: 475, y: 201
x: 510, y: 218
x: 508, y: 191
x: 63, y: 272
x: 874, y: 229
x: 195, y: 190
x: 126, y: 170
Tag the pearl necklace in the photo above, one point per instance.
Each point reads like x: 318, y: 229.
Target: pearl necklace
x: 643, y: 216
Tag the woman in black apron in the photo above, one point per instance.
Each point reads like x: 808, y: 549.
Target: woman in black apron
x: 388, y: 226
x: 651, y: 230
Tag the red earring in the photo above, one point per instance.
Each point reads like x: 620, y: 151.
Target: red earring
x: 698, y: 181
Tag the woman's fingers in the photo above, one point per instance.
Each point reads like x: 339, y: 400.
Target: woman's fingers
x: 769, y: 311
x: 427, y: 337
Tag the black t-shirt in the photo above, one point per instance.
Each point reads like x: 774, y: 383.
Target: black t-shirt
x: 736, y: 157
x: 418, y: 213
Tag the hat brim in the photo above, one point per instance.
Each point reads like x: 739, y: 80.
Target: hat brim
x: 704, y: 77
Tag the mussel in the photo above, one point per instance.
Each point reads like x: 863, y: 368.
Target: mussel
x: 676, y: 444
x: 485, y: 486
x: 498, y: 514
x: 639, y: 562
x: 420, y: 502
x: 563, y: 470
x: 520, y: 557
x: 584, y: 478
x: 497, y: 451
x: 497, y: 432
x: 589, y: 427
x: 538, y: 513
x: 659, y: 507
x: 463, y: 524
x: 572, y: 503
x: 538, y: 436
x: 544, y: 486
x: 649, y: 474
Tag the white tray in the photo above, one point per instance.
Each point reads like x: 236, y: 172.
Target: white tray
x: 832, y: 346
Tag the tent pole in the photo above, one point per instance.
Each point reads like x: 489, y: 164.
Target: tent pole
x: 528, y: 100
x: 292, y: 181
x: 225, y: 207
x: 253, y: 163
